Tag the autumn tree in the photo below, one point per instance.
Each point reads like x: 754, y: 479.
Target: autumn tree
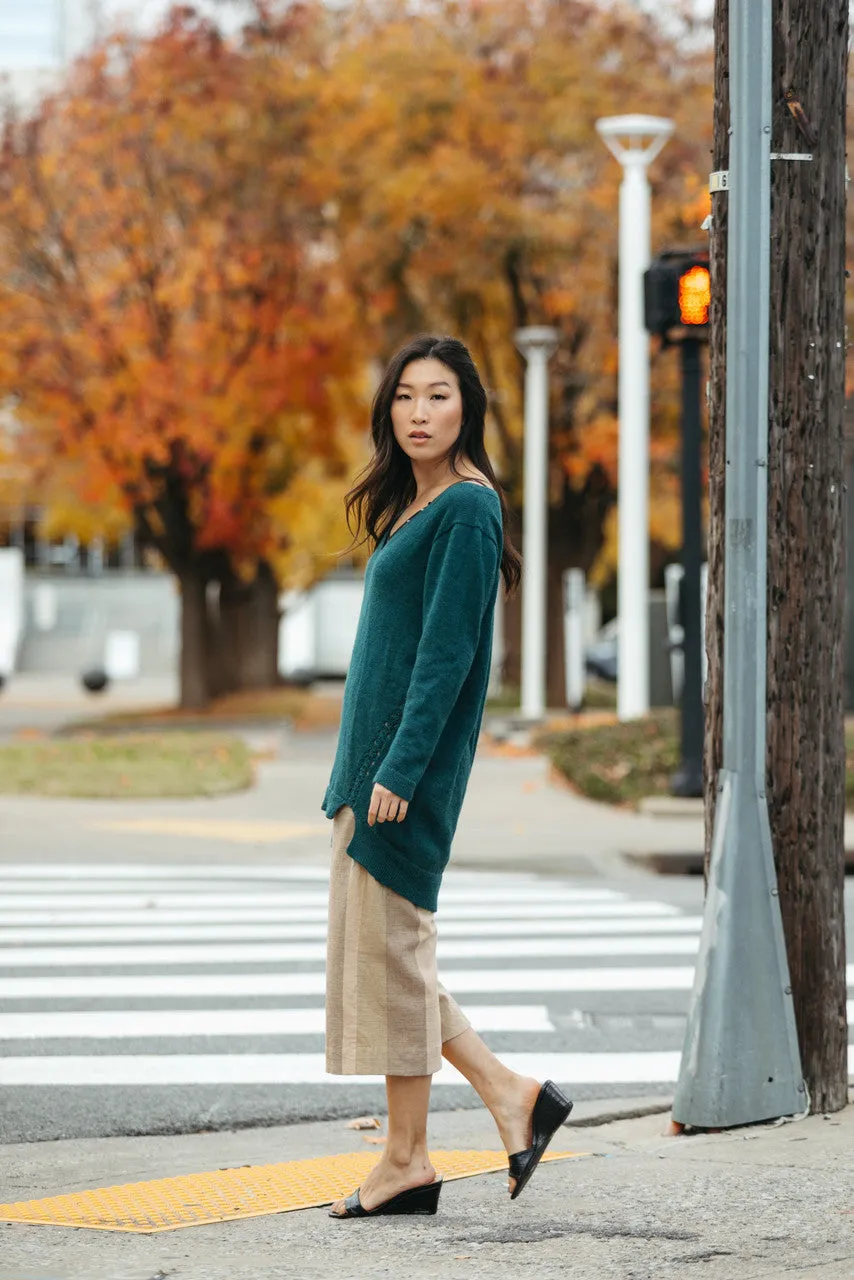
x: 172, y: 318
x: 205, y: 246
x: 472, y: 194
x: 806, y: 580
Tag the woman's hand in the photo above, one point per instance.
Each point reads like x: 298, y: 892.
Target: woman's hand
x: 386, y: 806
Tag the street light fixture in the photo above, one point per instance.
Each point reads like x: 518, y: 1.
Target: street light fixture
x: 635, y: 141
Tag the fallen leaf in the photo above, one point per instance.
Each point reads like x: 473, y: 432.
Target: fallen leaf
x: 364, y: 1122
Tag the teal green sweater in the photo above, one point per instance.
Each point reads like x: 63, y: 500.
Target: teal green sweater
x: 416, y: 685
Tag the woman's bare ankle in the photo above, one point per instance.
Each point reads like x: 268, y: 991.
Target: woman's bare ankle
x: 404, y: 1159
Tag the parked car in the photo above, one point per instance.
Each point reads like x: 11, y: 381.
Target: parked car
x: 601, y: 656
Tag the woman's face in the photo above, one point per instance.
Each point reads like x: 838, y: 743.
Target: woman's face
x: 427, y: 400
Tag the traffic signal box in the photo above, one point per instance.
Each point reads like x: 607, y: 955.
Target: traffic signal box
x: 677, y: 293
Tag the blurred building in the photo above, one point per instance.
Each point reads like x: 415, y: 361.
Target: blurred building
x: 40, y: 38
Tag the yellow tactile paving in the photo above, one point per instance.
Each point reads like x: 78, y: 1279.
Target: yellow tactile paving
x: 227, y: 1194
x: 233, y: 832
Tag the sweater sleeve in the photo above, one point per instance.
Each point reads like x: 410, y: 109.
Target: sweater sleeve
x: 459, y: 585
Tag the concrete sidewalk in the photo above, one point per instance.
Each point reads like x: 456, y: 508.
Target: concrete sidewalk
x: 765, y: 1201
x: 518, y: 813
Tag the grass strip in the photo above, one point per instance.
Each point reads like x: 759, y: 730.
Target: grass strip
x: 128, y: 766
x: 622, y: 763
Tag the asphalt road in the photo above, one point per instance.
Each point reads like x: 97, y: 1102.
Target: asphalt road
x: 142, y: 999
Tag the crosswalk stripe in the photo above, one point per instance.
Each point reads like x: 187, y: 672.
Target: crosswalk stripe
x: 115, y: 1024
x: 18, y: 890
x: 295, y: 1068
x: 474, y: 981
x: 64, y: 871
x: 212, y: 920
x: 309, y: 1068
x: 605, y: 926
x: 229, y: 914
x: 70, y: 901
x: 232, y: 985
x: 230, y: 953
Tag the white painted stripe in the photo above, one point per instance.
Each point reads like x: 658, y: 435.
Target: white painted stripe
x: 63, y: 871
x: 310, y: 1068
x: 234, y: 953
x: 480, y: 981
x: 146, y: 899
x: 160, y: 1023
x: 606, y: 927
x: 550, y: 910
x: 307, y: 1068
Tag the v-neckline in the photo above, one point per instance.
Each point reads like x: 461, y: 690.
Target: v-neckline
x: 387, y: 538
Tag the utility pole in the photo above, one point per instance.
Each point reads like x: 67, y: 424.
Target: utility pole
x: 800, y: 768
x: 740, y: 1061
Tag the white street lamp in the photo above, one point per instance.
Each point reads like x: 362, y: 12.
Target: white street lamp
x: 634, y: 141
x: 537, y: 343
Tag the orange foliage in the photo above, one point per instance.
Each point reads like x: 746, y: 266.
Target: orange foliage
x: 474, y: 195
x: 167, y: 312
x: 203, y: 243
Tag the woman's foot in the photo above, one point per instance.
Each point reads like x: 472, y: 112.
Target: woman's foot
x: 388, y: 1179
x: 514, y: 1116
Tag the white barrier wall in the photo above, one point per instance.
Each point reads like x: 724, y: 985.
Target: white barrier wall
x: 11, y: 607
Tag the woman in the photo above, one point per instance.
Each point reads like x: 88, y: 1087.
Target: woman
x: 411, y: 715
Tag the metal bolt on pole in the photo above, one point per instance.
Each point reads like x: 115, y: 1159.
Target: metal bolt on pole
x: 740, y: 1061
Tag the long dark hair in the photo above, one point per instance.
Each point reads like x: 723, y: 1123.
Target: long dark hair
x: 388, y: 486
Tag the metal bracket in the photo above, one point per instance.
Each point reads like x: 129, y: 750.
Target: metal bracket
x: 719, y: 180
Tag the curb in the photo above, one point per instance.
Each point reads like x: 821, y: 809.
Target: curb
x: 593, y: 1114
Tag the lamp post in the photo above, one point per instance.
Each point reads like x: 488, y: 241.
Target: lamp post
x: 537, y: 343
x: 635, y: 141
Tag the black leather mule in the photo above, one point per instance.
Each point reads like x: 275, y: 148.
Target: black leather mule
x: 550, y: 1111
x: 415, y: 1200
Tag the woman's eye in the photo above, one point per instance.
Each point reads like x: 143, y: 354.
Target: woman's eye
x: 437, y: 396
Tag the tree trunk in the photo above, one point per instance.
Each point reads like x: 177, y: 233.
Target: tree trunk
x: 713, y: 694
x: 222, y: 657
x: 194, y: 639
x: 249, y: 628
x: 805, y: 723
x: 806, y: 577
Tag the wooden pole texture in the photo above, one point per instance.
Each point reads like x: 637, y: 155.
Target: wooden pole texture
x: 806, y: 571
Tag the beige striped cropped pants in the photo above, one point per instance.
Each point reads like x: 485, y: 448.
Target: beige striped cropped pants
x: 386, y: 1011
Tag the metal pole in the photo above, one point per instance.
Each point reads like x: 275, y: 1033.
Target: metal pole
x: 741, y: 1062
x: 536, y: 343
x: 633, y: 475
x: 688, y: 781
x: 635, y: 141
x: 574, y: 584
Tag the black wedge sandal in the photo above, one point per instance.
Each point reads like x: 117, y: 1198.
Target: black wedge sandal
x: 415, y: 1200
x: 550, y: 1111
